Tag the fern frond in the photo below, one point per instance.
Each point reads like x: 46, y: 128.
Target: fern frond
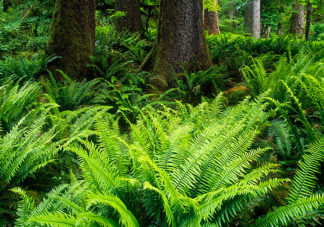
x: 305, y: 179
x: 55, y: 219
x: 126, y: 217
x: 289, y: 214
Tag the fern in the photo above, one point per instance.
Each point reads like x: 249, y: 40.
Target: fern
x: 180, y: 167
x: 25, y: 149
x: 16, y: 101
x: 69, y: 94
x: 301, y: 201
x: 282, y: 138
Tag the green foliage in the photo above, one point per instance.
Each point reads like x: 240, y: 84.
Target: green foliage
x: 211, y: 5
x: 70, y: 94
x: 294, y: 87
x: 282, y: 137
x: 194, y: 85
x: 23, y: 68
x: 117, y: 152
x: 26, y: 149
x: 235, y: 51
x: 184, y: 167
x: 16, y: 101
x: 318, y: 29
x: 25, y: 27
x: 116, y: 54
x: 302, y: 203
x: 290, y: 71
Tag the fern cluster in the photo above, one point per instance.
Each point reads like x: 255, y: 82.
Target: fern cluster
x: 303, y: 205
x: 185, y: 167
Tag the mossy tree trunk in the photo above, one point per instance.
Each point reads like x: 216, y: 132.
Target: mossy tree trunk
x: 132, y: 21
x: 211, y: 21
x: 248, y: 17
x: 181, y: 41
x: 297, y: 19
x: 308, y: 20
x: 72, y: 36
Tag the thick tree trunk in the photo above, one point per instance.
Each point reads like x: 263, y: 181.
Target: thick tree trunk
x: 211, y: 21
x: 181, y: 40
x: 6, y: 5
x: 308, y: 20
x: 132, y: 21
x: 297, y: 19
x: 72, y: 36
x: 256, y: 18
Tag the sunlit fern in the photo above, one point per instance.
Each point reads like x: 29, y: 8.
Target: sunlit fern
x: 178, y: 167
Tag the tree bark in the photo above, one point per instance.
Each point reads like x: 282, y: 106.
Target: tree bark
x: 252, y: 18
x: 181, y: 40
x: 72, y: 36
x: 308, y: 20
x: 297, y: 19
x: 256, y: 18
x: 211, y: 21
x: 132, y: 21
x: 248, y: 18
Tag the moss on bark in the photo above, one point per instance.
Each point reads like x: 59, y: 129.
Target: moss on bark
x: 72, y: 35
x: 211, y: 21
x: 297, y: 19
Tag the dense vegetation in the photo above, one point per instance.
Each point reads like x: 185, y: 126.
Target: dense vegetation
x: 238, y: 144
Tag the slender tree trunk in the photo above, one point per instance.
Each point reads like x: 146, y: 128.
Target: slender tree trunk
x: 248, y: 18
x: 297, y: 19
x: 132, y: 21
x: 252, y: 19
x: 279, y: 30
x: 231, y: 13
x: 308, y: 20
x: 6, y: 5
x: 256, y: 18
x: 211, y: 21
x: 72, y: 36
x: 181, y: 40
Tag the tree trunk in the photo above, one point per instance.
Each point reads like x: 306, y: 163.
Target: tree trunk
x: 132, y: 21
x: 72, y: 36
x: 248, y: 18
x: 297, y: 19
x: 6, y: 5
x: 279, y: 30
x: 181, y: 40
x: 252, y: 18
x: 231, y: 13
x: 256, y: 18
x: 211, y: 21
x: 308, y: 20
